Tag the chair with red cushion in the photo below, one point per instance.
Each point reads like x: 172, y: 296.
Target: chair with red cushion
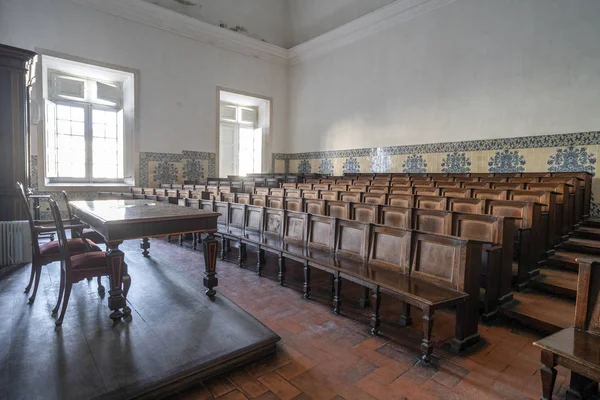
x: 48, y: 252
x: 86, y: 232
x: 74, y: 267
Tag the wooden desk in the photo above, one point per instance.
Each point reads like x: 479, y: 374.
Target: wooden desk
x: 119, y: 220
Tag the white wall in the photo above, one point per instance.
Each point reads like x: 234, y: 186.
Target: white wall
x: 178, y: 76
x: 311, y: 18
x: 473, y: 69
x: 267, y: 19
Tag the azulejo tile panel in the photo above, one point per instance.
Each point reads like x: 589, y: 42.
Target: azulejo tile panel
x: 507, y: 161
x: 156, y: 168
x: 456, y: 163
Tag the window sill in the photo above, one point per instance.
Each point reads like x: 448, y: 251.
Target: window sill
x: 84, y: 187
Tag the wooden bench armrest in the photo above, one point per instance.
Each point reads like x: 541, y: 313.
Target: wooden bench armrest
x: 587, y: 260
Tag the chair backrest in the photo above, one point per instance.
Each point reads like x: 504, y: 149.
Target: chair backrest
x: 427, y: 191
x: 321, y: 186
x: 243, y: 198
x: 375, y: 198
x: 494, y: 194
x: 378, y: 189
x: 401, y: 190
x: 23, y: 196
x: 223, y: 208
x: 390, y: 248
x: 358, y: 188
x: 477, y: 185
x: 310, y: 194
x: 258, y: 200
x: 339, y: 188
x: 508, y: 186
x: 262, y: 191
x: 305, y: 186
x: 293, y: 192
x: 61, y: 235
x: 321, y: 232
x: 352, y: 239
x: 448, y: 185
x: 275, y: 192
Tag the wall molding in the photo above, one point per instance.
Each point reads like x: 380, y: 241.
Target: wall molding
x: 171, y: 21
x: 180, y: 24
x: 362, y: 27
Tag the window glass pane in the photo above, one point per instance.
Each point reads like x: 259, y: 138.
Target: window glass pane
x: 105, y: 156
x: 98, y: 130
x: 77, y: 114
x: 98, y: 116
x: 63, y: 112
x: 64, y: 127
x: 110, y: 118
x: 71, y: 156
x: 77, y: 128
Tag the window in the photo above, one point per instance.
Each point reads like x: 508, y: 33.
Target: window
x: 87, y: 109
x: 240, y: 141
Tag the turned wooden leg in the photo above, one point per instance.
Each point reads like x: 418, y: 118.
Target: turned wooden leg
x: 364, y: 301
x: 281, y: 274
x: 145, y: 245
x: 223, y: 248
x: 548, y: 374
x: 116, y: 266
x: 194, y: 241
x: 181, y: 237
x: 376, y: 302
x: 210, y: 245
x: 101, y: 288
x: 259, y: 263
x: 337, y: 299
x: 31, y: 276
x: 61, y: 291
x: 426, y: 344
x: 306, y: 287
x: 241, y: 254
x: 68, y: 286
x: 405, y: 318
x: 168, y: 238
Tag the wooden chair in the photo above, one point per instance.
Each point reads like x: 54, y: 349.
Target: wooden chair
x: 577, y: 347
x: 75, y: 267
x: 86, y: 232
x: 48, y: 252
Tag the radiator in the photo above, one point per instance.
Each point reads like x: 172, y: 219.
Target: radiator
x: 15, y: 242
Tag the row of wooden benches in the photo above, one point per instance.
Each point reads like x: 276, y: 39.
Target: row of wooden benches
x: 423, y: 270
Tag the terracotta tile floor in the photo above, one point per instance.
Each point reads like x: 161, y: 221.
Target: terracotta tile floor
x: 322, y: 356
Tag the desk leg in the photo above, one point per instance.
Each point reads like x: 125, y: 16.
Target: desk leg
x: 145, y: 245
x: 210, y: 246
x: 548, y: 374
x: 119, y: 277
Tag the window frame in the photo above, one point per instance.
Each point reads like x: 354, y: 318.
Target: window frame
x: 129, y: 81
x: 89, y: 139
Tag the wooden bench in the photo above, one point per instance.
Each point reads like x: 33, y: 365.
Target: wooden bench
x: 576, y: 347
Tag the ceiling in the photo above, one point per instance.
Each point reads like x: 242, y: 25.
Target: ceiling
x: 285, y: 23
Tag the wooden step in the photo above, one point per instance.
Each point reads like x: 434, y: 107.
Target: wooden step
x: 591, y: 222
x: 587, y: 232
x: 586, y: 246
x: 556, y: 281
x: 565, y: 259
x: 542, y: 312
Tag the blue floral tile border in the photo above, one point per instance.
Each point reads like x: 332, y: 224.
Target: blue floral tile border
x: 169, y: 164
x: 527, y: 142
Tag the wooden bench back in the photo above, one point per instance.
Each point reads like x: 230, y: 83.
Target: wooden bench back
x: 401, y: 200
x: 493, y: 194
x: 293, y: 192
x: 262, y: 191
x: 295, y: 227
x: 273, y: 222
x: 352, y: 239
x: 587, y: 307
x: 223, y: 208
x: 358, y: 188
x: 237, y: 215
x: 329, y: 195
x: 431, y: 202
x: 258, y: 200
x: 390, y: 248
x: 432, y: 221
x: 314, y: 206
x: 427, y: 191
x: 321, y: 232
x: 447, y: 261
x: 304, y: 186
x: 339, y: 188
x: 275, y: 202
x: 350, y: 196
x: 253, y: 220
x: 273, y: 191
x: 364, y: 212
x: 293, y: 203
x: 321, y: 186
x: 374, y: 198
x: 508, y: 186
x: 337, y: 209
x: 448, y: 185
x: 457, y: 192
x: 395, y: 217
x: 378, y: 189
x: 310, y: 194
x: 466, y: 205
x: 401, y: 190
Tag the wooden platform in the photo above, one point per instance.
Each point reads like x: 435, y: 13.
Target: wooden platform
x: 540, y: 311
x: 175, y: 337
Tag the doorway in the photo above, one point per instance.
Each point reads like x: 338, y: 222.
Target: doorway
x: 244, y: 122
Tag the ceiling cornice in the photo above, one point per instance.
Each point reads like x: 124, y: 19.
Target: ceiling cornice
x: 367, y: 25
x: 170, y: 21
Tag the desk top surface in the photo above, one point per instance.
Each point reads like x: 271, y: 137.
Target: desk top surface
x: 119, y: 211
x: 574, y: 344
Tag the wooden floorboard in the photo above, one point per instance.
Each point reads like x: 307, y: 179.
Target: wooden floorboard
x: 175, y: 334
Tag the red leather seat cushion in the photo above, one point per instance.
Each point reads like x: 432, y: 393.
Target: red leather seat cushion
x: 76, y: 246
x: 89, y: 260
